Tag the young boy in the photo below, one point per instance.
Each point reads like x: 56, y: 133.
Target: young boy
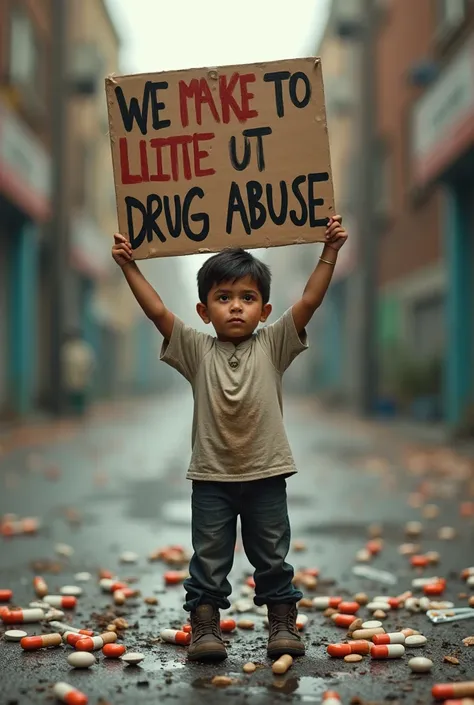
x: 240, y: 453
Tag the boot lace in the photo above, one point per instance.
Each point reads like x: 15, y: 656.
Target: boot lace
x: 286, y: 622
x: 206, y: 625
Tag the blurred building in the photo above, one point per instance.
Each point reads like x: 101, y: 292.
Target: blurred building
x: 25, y: 188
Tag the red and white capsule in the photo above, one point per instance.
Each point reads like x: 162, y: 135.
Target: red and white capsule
x: 22, y: 616
x: 330, y: 697
x: 94, y: 643
x: 6, y: 595
x: 40, y: 587
x: 322, y: 603
x: 343, y: 620
x: 360, y: 646
x: 389, y: 638
x: 43, y: 641
x: 69, y: 695
x: 387, y: 651
x: 67, y: 602
x: 175, y: 636
x: 301, y: 622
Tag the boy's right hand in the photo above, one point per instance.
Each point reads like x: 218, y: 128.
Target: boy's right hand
x: 121, y: 251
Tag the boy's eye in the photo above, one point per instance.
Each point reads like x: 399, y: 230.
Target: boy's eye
x: 248, y: 297
x: 223, y: 297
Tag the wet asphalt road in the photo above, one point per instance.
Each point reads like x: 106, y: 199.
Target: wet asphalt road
x: 123, y: 472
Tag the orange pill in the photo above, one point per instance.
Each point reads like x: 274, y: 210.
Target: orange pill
x: 228, y: 625
x: 374, y: 546
x: 118, y: 585
x: 113, y: 650
x: 360, y: 646
x: 348, y: 607
x: 314, y: 572
x: 434, y: 589
x: 105, y: 574
x: 174, y: 577
x: 186, y: 628
x: 343, y: 620
x: 250, y: 582
x: 443, y: 691
x: 339, y: 650
x: 6, y: 595
x: 419, y: 561
x: 40, y: 587
x: 31, y: 643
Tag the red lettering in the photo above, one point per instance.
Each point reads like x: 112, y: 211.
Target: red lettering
x: 200, y: 91
x: 173, y: 143
x: 157, y: 144
x: 247, y: 112
x: 126, y: 176
x: 201, y: 153
x: 227, y: 99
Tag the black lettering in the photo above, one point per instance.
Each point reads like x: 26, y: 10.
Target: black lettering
x: 313, y: 202
x: 131, y: 203
x: 157, y: 105
x: 239, y: 166
x: 281, y: 217
x: 195, y: 217
x: 236, y: 205
x: 174, y: 229
x: 257, y: 212
x: 295, y: 187
x: 277, y: 77
x: 300, y: 76
x: 259, y: 133
x: 152, y: 217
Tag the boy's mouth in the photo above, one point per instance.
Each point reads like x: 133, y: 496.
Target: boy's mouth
x: 236, y: 320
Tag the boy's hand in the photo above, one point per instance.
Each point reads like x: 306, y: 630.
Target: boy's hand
x: 121, y: 251
x: 335, y: 233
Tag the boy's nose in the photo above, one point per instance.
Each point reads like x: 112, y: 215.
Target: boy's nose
x: 236, y: 305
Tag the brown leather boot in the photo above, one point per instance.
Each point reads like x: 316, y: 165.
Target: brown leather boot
x: 284, y: 637
x: 206, y: 638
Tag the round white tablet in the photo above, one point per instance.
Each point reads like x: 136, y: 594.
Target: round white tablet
x: 81, y: 659
x: 371, y: 624
x: 82, y: 577
x: 415, y: 640
x: 129, y: 557
x: 420, y: 664
x: 132, y: 658
x: 73, y: 590
x: 14, y: 635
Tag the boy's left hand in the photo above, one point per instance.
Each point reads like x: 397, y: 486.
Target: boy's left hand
x: 335, y: 233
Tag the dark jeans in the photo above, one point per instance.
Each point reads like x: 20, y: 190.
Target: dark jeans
x: 265, y: 535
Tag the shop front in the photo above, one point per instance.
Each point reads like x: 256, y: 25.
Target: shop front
x: 443, y: 152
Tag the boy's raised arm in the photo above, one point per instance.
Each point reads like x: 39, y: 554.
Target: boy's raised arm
x: 320, y: 279
x: 150, y: 302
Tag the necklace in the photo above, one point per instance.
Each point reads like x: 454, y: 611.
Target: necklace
x: 233, y: 360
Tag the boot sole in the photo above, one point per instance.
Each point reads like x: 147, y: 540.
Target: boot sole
x: 208, y: 656
x: 278, y: 651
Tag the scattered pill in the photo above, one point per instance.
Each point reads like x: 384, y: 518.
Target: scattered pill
x: 222, y: 681
x: 387, y: 651
x: 94, y: 643
x: 22, y: 616
x: 62, y: 549
x: 443, y: 691
x: 31, y: 643
x: 374, y: 606
x: 6, y: 595
x: 409, y: 632
x: 420, y: 664
x: 371, y: 624
x: 175, y: 636
x: 413, y: 528
x: 133, y: 658
x: 321, y: 603
x: 301, y: 621
x: 367, y: 633
x: 356, y: 624
x: 249, y: 667
x: 447, y: 533
x: 129, y: 557
x: 14, y: 635
x: 380, y: 614
x: 348, y: 607
x: 175, y: 577
x: 282, y: 664
x: 361, y: 598
x: 82, y: 577
x: 343, y: 620
x: 40, y: 587
x: 360, y: 646
x: 53, y: 614
x: 419, y: 561
x: 390, y: 638
x: 246, y: 624
x: 353, y: 658
x: 421, y: 582
x: 69, y: 695
x: 81, y: 659
x: 227, y: 625
x: 67, y: 602
x: 330, y: 697
x: 119, y: 597
x: 71, y: 590
x: 434, y: 589
x: 415, y: 640
x: 113, y: 650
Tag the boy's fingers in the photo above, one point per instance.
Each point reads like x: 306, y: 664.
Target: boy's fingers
x: 119, y: 238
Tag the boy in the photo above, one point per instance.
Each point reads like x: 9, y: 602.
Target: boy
x: 241, y: 456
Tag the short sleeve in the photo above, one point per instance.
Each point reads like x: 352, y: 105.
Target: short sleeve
x: 185, y: 349
x: 281, y: 341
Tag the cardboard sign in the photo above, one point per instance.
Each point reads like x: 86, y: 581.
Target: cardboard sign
x: 212, y: 158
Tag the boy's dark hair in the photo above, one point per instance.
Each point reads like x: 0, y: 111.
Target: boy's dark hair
x: 229, y: 265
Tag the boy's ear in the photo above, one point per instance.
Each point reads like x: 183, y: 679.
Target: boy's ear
x: 266, y: 311
x: 202, y: 312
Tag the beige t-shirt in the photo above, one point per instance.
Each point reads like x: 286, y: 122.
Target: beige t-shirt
x: 238, y: 431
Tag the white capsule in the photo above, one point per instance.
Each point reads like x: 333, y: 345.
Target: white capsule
x: 129, y: 557
x: 61, y: 627
x: 62, y: 549
x: 72, y: 590
x: 243, y: 605
x: 387, y: 651
x: 421, y: 582
x: 82, y: 577
x: 132, y: 658
x: 412, y: 604
x: 106, y: 584
x: 39, y: 605
x: 443, y: 605
x: 415, y: 640
x: 424, y: 604
x: 470, y: 581
x: 420, y: 664
x: 81, y: 659
x: 301, y: 621
x: 371, y: 624
x: 53, y: 615
x: 14, y: 635
x: 374, y: 606
x: 246, y: 591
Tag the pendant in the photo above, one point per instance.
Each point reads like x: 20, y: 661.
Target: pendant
x: 233, y: 361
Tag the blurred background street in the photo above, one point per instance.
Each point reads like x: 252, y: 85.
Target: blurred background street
x: 95, y: 432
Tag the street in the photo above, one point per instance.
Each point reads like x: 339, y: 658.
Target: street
x: 116, y: 483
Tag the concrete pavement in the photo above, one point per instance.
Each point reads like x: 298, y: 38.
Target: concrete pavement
x: 122, y: 474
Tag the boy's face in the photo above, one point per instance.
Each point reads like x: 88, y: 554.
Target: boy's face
x: 235, y: 309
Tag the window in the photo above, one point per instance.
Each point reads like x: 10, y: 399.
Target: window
x: 451, y: 14
x: 26, y: 58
